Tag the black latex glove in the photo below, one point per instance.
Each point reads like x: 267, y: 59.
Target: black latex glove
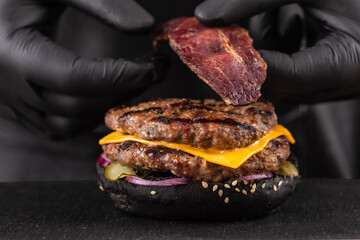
x: 51, y: 89
x: 328, y: 68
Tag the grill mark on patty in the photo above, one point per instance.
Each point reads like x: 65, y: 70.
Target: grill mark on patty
x: 158, y: 109
x: 268, y: 113
x: 196, y: 107
x: 276, y: 143
x: 254, y: 111
x: 250, y: 110
x: 125, y: 145
x: 183, y: 102
x: 227, y: 121
x: 160, y: 150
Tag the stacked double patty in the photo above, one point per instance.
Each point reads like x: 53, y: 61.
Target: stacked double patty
x: 201, y: 124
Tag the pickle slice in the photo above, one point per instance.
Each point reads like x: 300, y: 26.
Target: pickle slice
x: 116, y: 171
x: 287, y: 169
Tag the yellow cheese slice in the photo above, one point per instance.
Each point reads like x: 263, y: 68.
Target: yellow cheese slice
x: 230, y: 158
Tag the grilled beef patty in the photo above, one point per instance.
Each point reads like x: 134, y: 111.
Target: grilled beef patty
x: 182, y: 164
x: 207, y: 124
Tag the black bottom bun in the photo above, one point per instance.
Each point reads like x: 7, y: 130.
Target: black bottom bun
x: 198, y: 200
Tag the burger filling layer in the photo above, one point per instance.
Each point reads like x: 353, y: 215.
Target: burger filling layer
x: 265, y: 155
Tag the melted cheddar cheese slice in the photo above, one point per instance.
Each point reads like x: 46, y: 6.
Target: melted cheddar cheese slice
x: 230, y: 158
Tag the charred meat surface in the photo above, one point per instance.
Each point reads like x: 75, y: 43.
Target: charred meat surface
x: 182, y: 164
x: 222, y: 57
x: 202, y: 124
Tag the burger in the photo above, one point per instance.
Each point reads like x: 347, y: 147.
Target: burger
x: 191, y: 159
x: 201, y: 159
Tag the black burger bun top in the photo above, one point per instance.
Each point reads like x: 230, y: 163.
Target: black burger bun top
x: 199, y: 200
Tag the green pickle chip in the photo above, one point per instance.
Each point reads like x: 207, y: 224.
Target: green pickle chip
x: 287, y: 169
x: 116, y: 171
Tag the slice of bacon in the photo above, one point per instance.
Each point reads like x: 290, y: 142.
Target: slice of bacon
x: 223, y: 57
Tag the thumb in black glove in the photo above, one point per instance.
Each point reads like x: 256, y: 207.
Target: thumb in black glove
x: 328, y: 68
x: 51, y: 88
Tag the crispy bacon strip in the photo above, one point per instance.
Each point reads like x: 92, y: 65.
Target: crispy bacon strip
x: 223, y: 57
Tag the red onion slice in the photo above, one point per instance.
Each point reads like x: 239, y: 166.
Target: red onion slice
x: 103, y: 160
x: 167, y: 182
x: 256, y: 176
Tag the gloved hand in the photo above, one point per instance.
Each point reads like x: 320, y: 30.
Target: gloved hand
x: 50, y: 88
x: 328, y: 68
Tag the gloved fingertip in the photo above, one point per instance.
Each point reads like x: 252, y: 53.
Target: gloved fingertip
x: 125, y: 15
x: 206, y: 15
x: 269, y: 56
x: 144, y: 25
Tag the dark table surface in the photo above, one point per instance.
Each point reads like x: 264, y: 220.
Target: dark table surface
x: 319, y: 208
